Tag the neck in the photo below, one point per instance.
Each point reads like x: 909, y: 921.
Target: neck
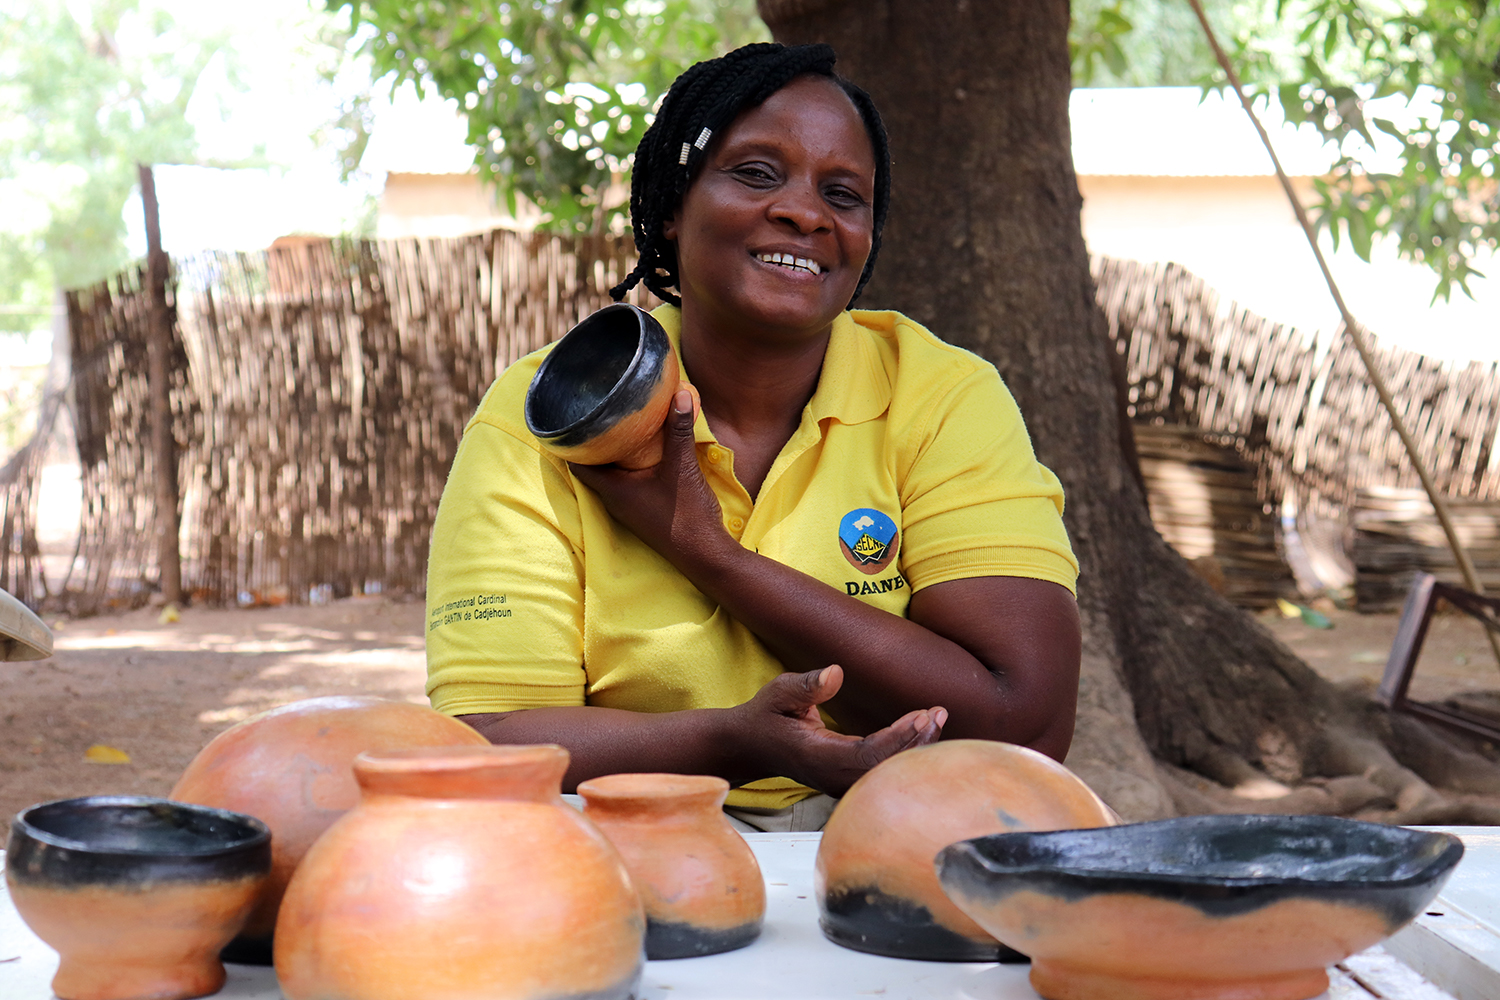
x: 751, y: 385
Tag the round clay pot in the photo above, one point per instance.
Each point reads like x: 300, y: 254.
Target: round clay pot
x: 136, y: 894
x: 698, y: 879
x: 461, y: 874
x: 604, y: 391
x: 292, y: 768
x: 876, y: 885
x: 1197, y: 908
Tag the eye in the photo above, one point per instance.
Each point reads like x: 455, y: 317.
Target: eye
x: 844, y: 197
x: 759, y: 174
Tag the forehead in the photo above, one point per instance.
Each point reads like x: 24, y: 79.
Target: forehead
x: 812, y: 115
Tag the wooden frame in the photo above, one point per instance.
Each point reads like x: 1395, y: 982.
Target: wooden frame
x: 1426, y: 591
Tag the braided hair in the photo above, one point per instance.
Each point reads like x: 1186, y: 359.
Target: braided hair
x: 699, y: 106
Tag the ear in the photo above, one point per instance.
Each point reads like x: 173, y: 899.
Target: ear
x: 669, y: 228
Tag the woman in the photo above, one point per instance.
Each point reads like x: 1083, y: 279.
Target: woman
x: 856, y: 524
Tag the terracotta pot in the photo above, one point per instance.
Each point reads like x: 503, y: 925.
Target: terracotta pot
x: 461, y: 874
x: 292, y: 768
x: 876, y: 886
x: 1197, y: 908
x: 699, y: 882
x: 136, y: 894
x: 604, y: 391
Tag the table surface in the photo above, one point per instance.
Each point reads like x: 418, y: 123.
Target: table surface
x: 790, y: 959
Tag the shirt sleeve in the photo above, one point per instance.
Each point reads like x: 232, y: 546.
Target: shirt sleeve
x: 504, y: 581
x: 975, y: 500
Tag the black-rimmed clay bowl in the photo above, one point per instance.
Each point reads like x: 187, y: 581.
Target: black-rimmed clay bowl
x: 136, y: 894
x: 604, y: 391
x: 1198, y: 908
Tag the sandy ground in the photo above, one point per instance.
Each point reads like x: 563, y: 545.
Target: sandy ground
x: 158, y: 692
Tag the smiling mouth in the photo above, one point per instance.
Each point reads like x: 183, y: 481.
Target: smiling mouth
x: 787, y: 260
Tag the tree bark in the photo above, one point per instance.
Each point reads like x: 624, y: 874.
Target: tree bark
x: 984, y: 246
x: 159, y: 384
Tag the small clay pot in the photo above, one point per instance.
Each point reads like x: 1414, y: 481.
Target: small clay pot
x: 292, y: 768
x: 876, y: 886
x: 461, y: 874
x: 1197, y: 908
x: 605, y: 389
x: 136, y: 894
x: 699, y: 882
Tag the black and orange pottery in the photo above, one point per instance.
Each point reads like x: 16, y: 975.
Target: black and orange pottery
x: 604, y: 390
x: 136, y: 894
x: 700, y: 884
x: 876, y: 887
x: 1197, y: 908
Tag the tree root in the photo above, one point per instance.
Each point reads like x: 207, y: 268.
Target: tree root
x: 1360, y: 776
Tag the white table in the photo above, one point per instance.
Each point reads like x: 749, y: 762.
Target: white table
x: 791, y: 959
x: 1456, y: 942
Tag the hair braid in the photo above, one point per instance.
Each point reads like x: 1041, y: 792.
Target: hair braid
x: 700, y: 104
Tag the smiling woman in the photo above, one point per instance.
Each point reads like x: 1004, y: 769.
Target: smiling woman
x: 852, y: 551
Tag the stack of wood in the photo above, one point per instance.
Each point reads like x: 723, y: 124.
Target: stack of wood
x: 1205, y: 500
x: 1394, y: 533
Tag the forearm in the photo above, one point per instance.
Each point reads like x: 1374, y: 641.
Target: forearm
x: 611, y: 741
x: 892, y: 665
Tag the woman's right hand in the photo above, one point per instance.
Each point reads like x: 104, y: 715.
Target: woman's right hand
x: 781, y: 725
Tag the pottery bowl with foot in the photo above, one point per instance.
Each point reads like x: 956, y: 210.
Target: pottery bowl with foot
x: 1197, y: 908
x: 876, y: 887
x: 604, y: 391
x: 137, y: 895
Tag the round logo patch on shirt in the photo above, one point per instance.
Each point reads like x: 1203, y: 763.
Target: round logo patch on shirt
x: 869, y: 539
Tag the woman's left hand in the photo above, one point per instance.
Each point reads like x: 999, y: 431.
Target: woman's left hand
x: 669, y: 506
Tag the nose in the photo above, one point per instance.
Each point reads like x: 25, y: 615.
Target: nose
x: 801, y: 206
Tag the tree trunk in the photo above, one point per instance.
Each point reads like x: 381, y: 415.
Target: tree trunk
x: 984, y: 246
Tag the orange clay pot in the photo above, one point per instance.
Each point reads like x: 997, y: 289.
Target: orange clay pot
x: 876, y: 885
x: 698, y: 879
x: 291, y: 768
x: 136, y: 894
x: 461, y: 874
x: 605, y: 389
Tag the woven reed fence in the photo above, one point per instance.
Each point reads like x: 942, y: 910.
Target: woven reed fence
x: 1308, y: 418
x: 319, y: 392
x: 1307, y: 415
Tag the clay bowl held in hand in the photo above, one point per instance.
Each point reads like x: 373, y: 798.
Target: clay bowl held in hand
x: 1198, y: 908
x: 293, y: 768
x: 698, y: 879
x: 604, y: 391
x: 876, y: 887
x: 136, y: 894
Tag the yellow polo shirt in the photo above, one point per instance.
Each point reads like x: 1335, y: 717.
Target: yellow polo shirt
x: 911, y: 466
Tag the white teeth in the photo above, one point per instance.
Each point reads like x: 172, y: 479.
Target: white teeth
x: 787, y: 260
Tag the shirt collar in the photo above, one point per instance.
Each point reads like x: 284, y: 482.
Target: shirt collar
x: 852, y: 388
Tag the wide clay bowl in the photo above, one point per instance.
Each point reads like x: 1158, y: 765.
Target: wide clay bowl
x: 293, y: 768
x: 698, y: 879
x: 876, y: 887
x: 603, y: 392
x: 136, y: 894
x: 1199, y: 908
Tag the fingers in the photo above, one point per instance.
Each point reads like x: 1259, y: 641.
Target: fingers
x: 800, y: 694
x: 914, y: 729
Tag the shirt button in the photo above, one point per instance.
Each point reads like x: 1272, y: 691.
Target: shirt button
x: 715, y: 454
x: 737, y: 524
